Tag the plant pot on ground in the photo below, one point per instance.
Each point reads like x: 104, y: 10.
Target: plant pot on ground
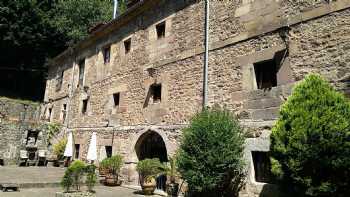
x: 58, y: 150
x: 173, y: 186
x: 148, y: 170
x: 112, y: 167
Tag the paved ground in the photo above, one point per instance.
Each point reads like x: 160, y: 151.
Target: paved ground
x: 14, y: 174
x: 39, y: 181
x: 101, y: 191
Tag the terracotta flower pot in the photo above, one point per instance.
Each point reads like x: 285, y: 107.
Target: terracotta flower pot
x: 148, y: 186
x: 112, y: 180
x: 103, y: 171
x: 172, y: 189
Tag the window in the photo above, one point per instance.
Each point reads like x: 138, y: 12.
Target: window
x: 108, y: 151
x: 50, y: 113
x: 160, y: 30
x: 81, y: 65
x: 156, y: 93
x: 60, y: 81
x: 116, y: 99
x: 77, y: 149
x: 266, y: 71
x: 266, y: 74
x: 107, y: 54
x: 84, y: 107
x: 127, y: 45
x: 64, y: 112
x: 262, y: 166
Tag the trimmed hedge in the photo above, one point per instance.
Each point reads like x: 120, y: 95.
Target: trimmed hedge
x: 310, y: 143
x: 210, y: 157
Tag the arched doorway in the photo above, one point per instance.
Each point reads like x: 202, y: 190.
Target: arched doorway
x: 151, y: 145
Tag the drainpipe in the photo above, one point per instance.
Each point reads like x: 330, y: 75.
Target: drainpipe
x: 115, y: 9
x: 206, y: 56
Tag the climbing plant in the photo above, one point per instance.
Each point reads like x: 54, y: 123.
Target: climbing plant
x: 51, y: 130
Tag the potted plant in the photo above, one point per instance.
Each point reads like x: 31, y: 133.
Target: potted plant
x: 58, y: 150
x: 148, y: 170
x: 78, y: 169
x: 172, y: 187
x: 112, y: 166
x: 90, y: 177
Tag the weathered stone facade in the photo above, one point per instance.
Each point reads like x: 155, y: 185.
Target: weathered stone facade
x: 17, y: 118
x: 300, y: 37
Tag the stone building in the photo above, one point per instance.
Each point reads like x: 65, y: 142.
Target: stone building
x: 20, y: 130
x: 138, y: 80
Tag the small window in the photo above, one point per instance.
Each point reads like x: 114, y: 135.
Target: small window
x: 81, y: 71
x: 116, y: 99
x: 60, y: 81
x: 160, y: 30
x: 77, y: 150
x: 266, y: 74
x: 262, y: 166
x: 266, y: 71
x: 127, y: 45
x: 64, y: 112
x: 109, y: 151
x: 156, y: 93
x: 107, y: 54
x: 84, y: 107
x: 50, y: 114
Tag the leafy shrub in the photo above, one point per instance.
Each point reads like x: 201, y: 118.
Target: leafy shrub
x: 58, y: 149
x: 172, y: 170
x: 51, y: 130
x: 150, y: 168
x: 90, y: 176
x: 210, y: 157
x: 113, y: 164
x: 77, y: 168
x: 67, y: 180
x: 310, y: 143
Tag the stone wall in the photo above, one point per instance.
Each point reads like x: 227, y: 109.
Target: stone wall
x: 301, y: 37
x: 16, y: 119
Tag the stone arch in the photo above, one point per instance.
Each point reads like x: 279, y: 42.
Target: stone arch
x: 150, y: 144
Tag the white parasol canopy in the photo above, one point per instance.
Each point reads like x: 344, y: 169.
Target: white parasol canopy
x: 92, y: 151
x: 68, y: 152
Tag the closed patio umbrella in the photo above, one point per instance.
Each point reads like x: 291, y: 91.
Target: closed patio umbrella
x: 68, y: 152
x: 92, y: 151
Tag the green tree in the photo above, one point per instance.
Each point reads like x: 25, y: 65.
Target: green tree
x: 33, y: 31
x: 67, y: 180
x: 310, y: 143
x: 210, y: 157
x: 73, y: 18
x: 77, y: 169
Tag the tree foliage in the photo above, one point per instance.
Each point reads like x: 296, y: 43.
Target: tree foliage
x: 33, y: 31
x: 73, y: 18
x: 210, y: 158
x: 310, y: 144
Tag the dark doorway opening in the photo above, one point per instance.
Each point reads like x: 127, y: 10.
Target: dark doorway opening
x: 151, y: 145
x: 77, y: 150
x: 262, y: 166
x: 109, y: 151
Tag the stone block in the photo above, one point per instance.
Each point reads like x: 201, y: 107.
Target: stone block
x: 265, y: 114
